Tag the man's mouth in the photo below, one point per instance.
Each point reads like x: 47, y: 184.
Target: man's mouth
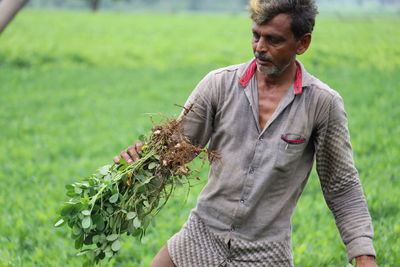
x: 262, y: 60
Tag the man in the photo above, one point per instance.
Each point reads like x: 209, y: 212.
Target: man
x: 268, y: 118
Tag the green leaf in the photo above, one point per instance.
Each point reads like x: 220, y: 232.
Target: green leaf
x: 152, y: 165
x: 59, y: 223
x: 131, y: 228
x: 78, y: 190
x: 101, y: 255
x: 69, y: 209
x: 86, y: 212
x: 109, y: 254
x: 146, y: 203
x: 114, y: 198
x: 103, y: 238
x: 111, y: 222
x: 136, y: 222
x: 90, y: 254
x: 98, y: 221
x: 69, y: 187
x: 96, y: 239
x: 88, y: 240
x: 147, y: 173
x: 131, y: 215
x: 83, y: 252
x: 66, y: 210
x: 100, y: 225
x: 110, y: 210
x: 112, y: 237
x: 146, y: 222
x: 79, y: 242
x: 138, y: 232
x: 104, y: 170
x: 148, y: 179
x: 76, y: 230
x: 107, y: 177
x: 85, y: 200
x: 86, y: 222
x: 142, y: 138
x: 116, y: 245
x: 122, y: 163
x: 71, y: 193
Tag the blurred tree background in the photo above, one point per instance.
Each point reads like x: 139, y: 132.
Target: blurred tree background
x: 210, y: 5
x: 173, y: 6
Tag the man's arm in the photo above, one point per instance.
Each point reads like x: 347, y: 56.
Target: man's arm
x: 202, y: 104
x: 340, y: 183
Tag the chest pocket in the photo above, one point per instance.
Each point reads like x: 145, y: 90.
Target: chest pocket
x: 290, y: 149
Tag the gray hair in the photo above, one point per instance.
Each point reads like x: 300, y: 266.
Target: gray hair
x: 302, y: 12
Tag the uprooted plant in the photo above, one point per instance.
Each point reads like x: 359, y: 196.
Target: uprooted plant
x: 123, y: 198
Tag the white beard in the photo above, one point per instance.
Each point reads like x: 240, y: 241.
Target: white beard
x: 273, y: 70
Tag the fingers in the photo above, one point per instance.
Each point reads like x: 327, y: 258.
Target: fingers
x: 131, y: 154
x: 138, y: 147
x: 125, y: 156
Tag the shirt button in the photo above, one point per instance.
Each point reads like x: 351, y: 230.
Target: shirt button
x: 242, y: 201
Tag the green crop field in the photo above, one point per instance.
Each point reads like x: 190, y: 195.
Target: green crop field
x: 76, y: 88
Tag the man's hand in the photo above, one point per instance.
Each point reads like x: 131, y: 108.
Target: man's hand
x: 366, y: 261
x: 131, y: 154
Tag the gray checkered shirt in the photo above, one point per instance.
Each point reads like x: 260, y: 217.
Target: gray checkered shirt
x: 252, y: 191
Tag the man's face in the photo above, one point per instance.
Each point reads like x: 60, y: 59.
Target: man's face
x: 274, y: 45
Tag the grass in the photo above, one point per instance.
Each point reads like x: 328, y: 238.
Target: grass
x: 76, y: 87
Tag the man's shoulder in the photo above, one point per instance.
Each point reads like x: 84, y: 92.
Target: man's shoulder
x: 318, y: 87
x: 236, y: 70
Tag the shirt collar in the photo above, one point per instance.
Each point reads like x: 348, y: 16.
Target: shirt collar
x: 298, y: 80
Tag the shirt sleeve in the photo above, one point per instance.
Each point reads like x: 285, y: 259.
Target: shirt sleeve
x: 198, y: 122
x: 340, y: 183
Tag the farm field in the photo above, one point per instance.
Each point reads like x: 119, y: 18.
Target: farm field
x: 76, y: 88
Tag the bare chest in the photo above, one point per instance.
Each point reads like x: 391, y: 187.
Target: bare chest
x: 268, y: 101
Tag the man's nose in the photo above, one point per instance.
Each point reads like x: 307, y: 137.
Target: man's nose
x: 262, y: 46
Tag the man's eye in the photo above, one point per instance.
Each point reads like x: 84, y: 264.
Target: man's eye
x: 256, y: 36
x: 275, y: 41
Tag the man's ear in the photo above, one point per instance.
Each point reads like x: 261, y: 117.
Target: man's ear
x: 303, y: 43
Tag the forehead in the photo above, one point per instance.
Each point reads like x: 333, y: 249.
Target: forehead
x: 278, y: 25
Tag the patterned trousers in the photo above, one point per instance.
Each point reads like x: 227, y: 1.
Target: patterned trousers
x: 195, y: 246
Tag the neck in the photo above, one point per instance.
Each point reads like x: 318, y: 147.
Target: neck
x: 278, y: 80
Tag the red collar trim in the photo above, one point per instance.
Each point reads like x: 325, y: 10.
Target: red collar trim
x: 248, y: 74
x: 251, y: 70
x: 298, y: 80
